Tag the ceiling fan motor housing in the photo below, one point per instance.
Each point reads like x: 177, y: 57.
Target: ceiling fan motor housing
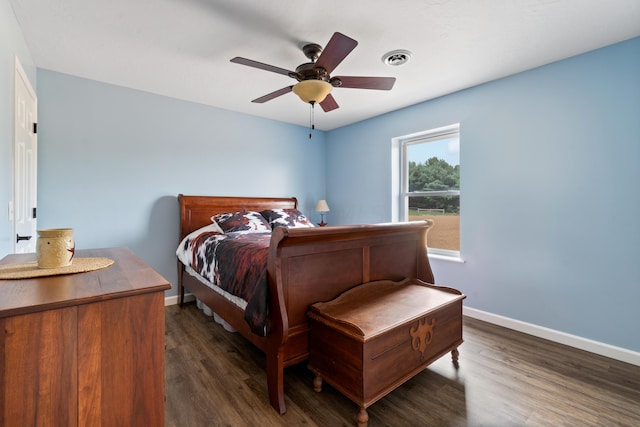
x: 308, y: 71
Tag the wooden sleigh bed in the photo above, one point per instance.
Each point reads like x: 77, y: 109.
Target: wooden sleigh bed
x: 304, y: 266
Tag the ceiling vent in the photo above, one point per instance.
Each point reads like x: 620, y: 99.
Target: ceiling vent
x: 397, y: 57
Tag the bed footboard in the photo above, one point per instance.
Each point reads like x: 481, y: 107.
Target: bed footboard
x: 308, y: 265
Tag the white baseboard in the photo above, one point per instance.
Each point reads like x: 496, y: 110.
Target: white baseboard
x: 596, y: 347
x: 173, y: 300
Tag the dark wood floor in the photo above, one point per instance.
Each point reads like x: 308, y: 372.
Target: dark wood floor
x: 215, y: 378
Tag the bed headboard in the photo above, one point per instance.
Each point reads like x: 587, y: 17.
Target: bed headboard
x: 196, y: 211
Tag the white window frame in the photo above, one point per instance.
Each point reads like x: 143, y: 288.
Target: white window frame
x: 401, y: 211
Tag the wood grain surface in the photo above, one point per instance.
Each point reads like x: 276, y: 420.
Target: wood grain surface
x: 506, y: 378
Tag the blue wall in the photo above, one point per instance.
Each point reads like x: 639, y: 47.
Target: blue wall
x: 12, y: 45
x: 550, y: 187
x: 112, y: 161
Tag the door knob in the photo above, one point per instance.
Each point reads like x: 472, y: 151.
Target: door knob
x: 19, y: 237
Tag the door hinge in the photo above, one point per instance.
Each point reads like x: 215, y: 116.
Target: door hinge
x: 33, y: 213
x: 35, y: 128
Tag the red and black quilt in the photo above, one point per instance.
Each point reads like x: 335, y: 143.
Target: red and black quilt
x: 236, y: 263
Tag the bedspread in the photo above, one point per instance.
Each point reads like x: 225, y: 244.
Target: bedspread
x: 236, y: 263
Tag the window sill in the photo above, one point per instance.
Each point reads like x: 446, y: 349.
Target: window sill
x: 450, y: 258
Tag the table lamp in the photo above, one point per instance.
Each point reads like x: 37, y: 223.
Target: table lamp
x: 322, y: 208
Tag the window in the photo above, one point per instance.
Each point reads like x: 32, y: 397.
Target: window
x: 430, y: 185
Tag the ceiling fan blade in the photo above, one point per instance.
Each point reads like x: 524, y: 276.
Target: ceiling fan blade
x: 380, y: 83
x: 329, y: 104
x: 335, y: 51
x: 260, y: 65
x: 270, y: 96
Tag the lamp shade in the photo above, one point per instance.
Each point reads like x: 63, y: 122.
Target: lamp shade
x: 322, y: 206
x: 312, y: 90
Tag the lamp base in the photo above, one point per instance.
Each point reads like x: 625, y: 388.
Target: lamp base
x: 322, y: 223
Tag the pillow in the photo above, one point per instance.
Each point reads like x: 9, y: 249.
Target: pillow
x: 291, y: 218
x: 246, y: 222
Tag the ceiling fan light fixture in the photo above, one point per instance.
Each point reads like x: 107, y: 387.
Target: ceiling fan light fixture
x: 312, y: 90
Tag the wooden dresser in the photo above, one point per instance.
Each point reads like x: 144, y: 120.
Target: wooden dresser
x: 83, y: 349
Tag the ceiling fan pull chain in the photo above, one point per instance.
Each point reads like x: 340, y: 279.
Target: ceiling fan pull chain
x: 311, y: 118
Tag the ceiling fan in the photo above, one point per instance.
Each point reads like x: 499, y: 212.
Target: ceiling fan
x: 314, y: 79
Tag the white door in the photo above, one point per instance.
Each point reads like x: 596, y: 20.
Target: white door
x: 25, y: 163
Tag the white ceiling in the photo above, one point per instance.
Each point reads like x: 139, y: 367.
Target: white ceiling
x: 182, y: 48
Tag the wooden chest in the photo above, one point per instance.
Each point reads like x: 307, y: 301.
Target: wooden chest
x: 374, y: 337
